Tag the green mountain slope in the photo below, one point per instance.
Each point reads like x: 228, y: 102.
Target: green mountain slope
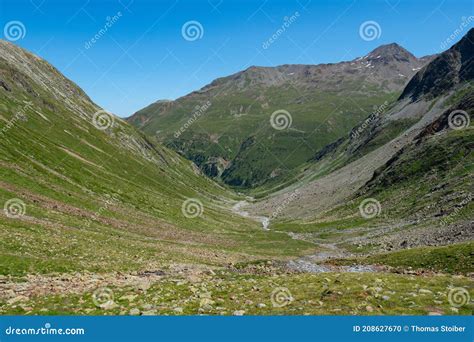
x: 255, y: 127
x: 402, y: 178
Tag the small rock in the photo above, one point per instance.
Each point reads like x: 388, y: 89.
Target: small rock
x: 261, y: 305
x: 17, y: 299
x: 369, y: 308
x: 425, y: 291
x: 238, y: 313
x: 178, y: 309
x: 109, y: 305
x: 206, y: 307
x: 149, y: 313
x: 130, y: 298
x: 147, y: 307
x: 134, y: 312
x: 434, y: 313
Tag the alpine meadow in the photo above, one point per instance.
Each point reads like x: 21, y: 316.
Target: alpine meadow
x: 339, y: 187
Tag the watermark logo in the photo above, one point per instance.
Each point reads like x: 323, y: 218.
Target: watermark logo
x: 294, y: 195
x: 281, y: 297
x: 457, y: 209
x: 109, y: 22
x: 281, y: 119
x: 459, y: 119
x: 14, y: 30
x: 287, y: 21
x: 372, y: 118
x: 47, y: 329
x: 458, y: 296
x: 370, y: 30
x: 370, y: 208
x: 14, y: 208
x: 192, y: 30
x: 465, y: 23
x: 103, y: 119
x: 199, y: 110
x: 110, y: 200
x: 19, y: 116
x: 192, y: 208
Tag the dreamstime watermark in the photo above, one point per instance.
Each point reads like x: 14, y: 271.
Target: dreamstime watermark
x: 281, y: 119
x: 192, y: 208
x: 459, y: 119
x: 465, y: 21
x: 287, y: 21
x: 294, y: 195
x: 20, y: 115
x: 14, y: 30
x: 192, y: 30
x: 103, y: 119
x: 199, y: 110
x: 46, y: 330
x: 110, y: 200
x: 280, y: 297
x: 370, y: 208
x: 103, y: 297
x: 370, y: 30
x: 14, y: 208
x: 110, y: 21
x: 137, y: 145
x: 458, y: 296
x: 450, y: 218
x: 374, y: 116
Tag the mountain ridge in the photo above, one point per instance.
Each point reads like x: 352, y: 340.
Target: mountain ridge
x: 100, y: 219
x: 245, y: 101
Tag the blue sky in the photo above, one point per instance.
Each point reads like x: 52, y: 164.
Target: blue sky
x: 143, y: 56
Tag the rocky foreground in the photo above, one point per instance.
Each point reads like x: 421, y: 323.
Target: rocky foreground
x: 256, y: 289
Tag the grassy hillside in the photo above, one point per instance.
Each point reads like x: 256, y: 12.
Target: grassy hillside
x: 102, y: 199
x: 456, y: 258
x: 100, y: 219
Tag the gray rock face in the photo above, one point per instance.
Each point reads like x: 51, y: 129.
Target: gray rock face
x: 445, y: 72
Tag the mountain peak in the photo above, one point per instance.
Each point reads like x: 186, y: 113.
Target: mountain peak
x: 391, y: 51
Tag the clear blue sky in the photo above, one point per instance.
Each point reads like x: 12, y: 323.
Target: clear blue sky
x: 143, y: 56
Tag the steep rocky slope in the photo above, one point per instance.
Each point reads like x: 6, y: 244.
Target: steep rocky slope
x: 410, y: 165
x: 239, y: 128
